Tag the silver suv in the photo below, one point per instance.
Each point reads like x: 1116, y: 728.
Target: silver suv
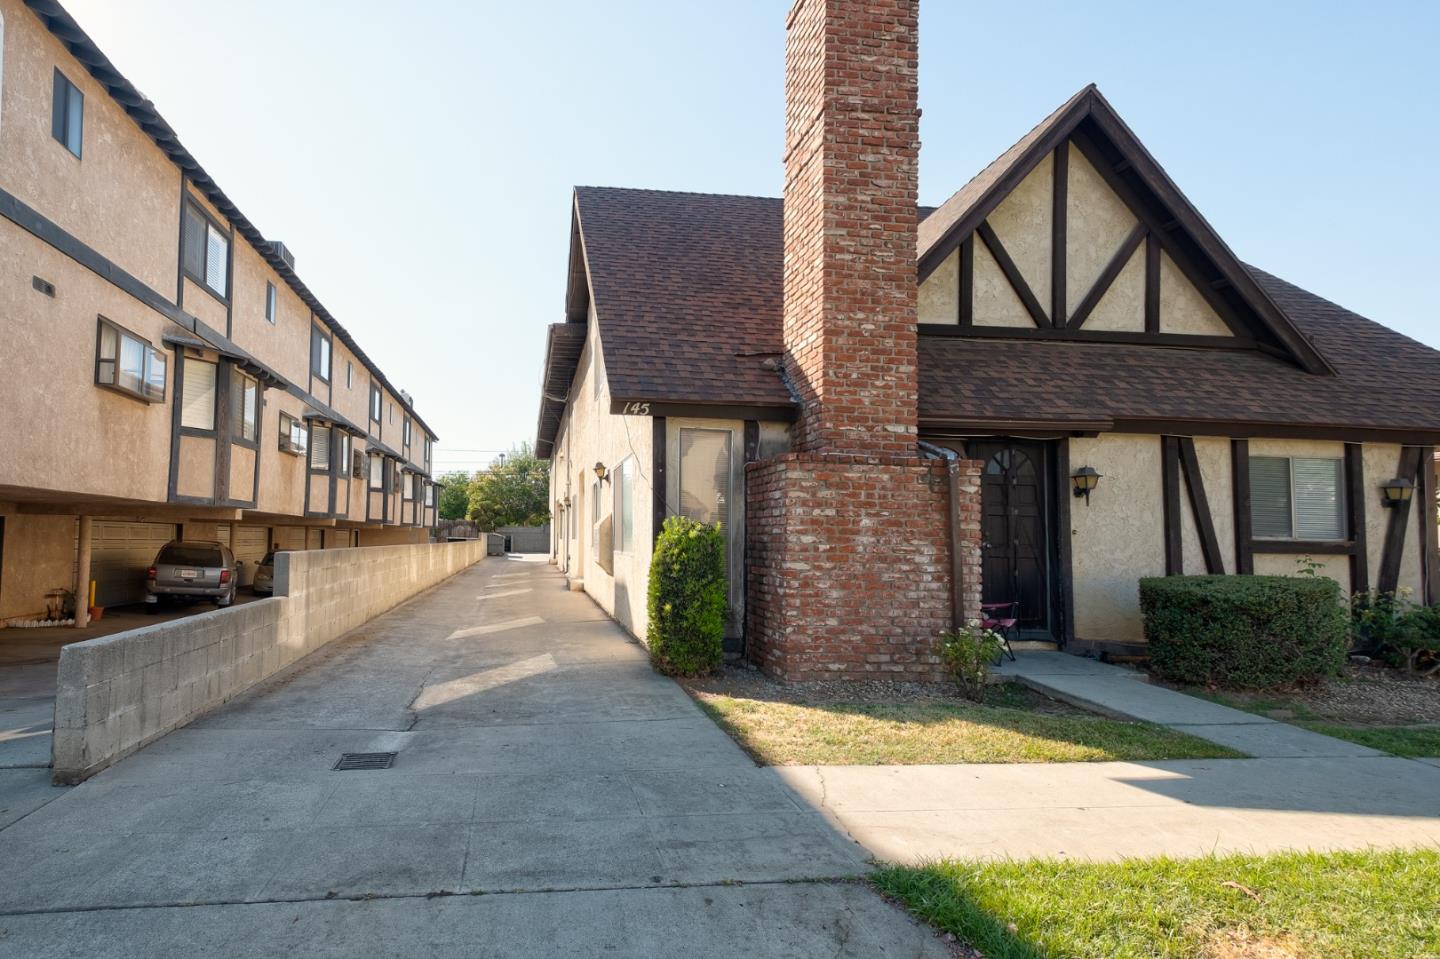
x: 194, y: 568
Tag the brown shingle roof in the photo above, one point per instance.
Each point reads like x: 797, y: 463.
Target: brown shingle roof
x: 687, y: 289
x: 688, y: 292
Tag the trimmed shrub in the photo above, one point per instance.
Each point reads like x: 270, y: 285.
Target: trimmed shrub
x: 1245, y: 632
x: 687, y: 600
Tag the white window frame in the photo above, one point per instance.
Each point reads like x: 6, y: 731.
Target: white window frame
x: 294, y: 438
x: 321, y: 357
x: 595, y: 521
x: 212, y: 240
x: 376, y: 470
x: 247, y: 388
x: 271, y: 306
x: 108, y: 367
x: 1295, y: 533
x: 188, y: 417
x: 318, y: 429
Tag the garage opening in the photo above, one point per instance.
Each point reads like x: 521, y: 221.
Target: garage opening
x: 120, y: 553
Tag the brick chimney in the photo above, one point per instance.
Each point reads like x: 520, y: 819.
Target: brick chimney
x: 851, y: 157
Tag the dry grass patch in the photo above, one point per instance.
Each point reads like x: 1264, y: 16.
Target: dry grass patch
x: 878, y: 723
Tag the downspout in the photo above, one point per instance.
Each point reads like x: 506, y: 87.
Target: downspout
x: 957, y: 565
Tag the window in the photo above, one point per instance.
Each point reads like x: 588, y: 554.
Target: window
x: 705, y: 476
x: 429, y: 494
x: 244, y: 406
x: 67, y: 115
x: 320, y: 353
x: 407, y: 486
x: 270, y: 302
x: 406, y: 431
x: 292, y: 434
x: 375, y: 403
x: 342, y: 444
x: 625, y: 504
x: 207, y: 251
x: 349, y: 375
x: 319, y: 447
x: 377, y: 471
x: 1297, y: 498
x: 197, y: 404
x: 125, y: 362
x: 392, y: 414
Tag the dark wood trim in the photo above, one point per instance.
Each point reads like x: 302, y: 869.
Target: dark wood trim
x: 1395, y: 528
x: 1152, y: 284
x: 658, y: 452
x: 1029, y: 429
x: 1106, y: 278
x: 1135, y: 338
x: 967, y: 282
x: 1013, y: 275
x: 659, y: 409
x: 180, y: 246
x: 1429, y: 548
x: 1170, y: 499
x: 1237, y: 429
x: 1056, y: 136
x: 1240, y: 493
x: 1059, y: 231
x: 1064, y: 559
x: 1355, y: 507
x: 1320, y: 547
x: 224, y: 430
x: 1200, y: 506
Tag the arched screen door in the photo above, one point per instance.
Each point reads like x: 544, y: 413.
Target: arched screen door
x: 1015, y: 502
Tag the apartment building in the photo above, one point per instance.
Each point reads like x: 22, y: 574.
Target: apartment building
x: 164, y: 370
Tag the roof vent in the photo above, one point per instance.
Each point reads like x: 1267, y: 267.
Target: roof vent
x: 283, y: 251
x: 407, y: 398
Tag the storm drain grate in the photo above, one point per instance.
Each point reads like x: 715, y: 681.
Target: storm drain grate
x: 365, y: 761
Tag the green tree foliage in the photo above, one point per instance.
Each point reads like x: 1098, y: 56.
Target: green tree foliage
x: 455, y: 494
x: 514, y: 491
x: 687, y: 598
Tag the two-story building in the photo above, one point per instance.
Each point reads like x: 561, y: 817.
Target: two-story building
x: 165, y: 371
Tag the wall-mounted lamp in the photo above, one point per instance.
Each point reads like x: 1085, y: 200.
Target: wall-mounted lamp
x: 601, y: 473
x: 1083, y: 481
x: 1396, y: 491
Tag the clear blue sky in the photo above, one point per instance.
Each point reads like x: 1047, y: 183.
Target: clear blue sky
x: 418, y: 159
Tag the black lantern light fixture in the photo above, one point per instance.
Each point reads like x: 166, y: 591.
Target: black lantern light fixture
x: 1396, y: 491
x: 1083, y: 481
x: 601, y: 473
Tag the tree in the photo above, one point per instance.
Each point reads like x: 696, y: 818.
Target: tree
x: 455, y: 494
x: 514, y: 491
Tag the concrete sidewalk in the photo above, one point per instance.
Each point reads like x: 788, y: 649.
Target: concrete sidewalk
x: 541, y: 763
x: 1126, y: 694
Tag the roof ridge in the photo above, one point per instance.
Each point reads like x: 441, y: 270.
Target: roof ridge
x: 699, y: 193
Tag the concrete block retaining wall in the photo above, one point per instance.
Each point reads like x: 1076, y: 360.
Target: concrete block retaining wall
x: 118, y: 693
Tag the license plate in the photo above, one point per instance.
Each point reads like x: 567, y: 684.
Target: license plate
x: 188, y: 573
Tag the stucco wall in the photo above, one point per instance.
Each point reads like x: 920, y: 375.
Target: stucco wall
x: 1213, y: 454
x: 120, y: 692
x: 1119, y: 537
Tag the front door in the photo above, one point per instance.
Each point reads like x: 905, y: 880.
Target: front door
x: 1015, y: 503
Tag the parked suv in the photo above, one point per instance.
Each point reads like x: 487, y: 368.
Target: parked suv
x: 194, y: 568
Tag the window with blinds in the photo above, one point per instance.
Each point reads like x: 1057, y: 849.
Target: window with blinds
x: 705, y: 475
x: 319, y: 447
x: 625, y: 505
x: 128, y: 363
x: 1297, y: 497
x: 377, y: 472
x: 197, y: 402
x: 205, y: 248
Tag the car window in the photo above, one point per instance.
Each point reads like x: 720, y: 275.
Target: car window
x: 183, y: 555
x: 269, y: 560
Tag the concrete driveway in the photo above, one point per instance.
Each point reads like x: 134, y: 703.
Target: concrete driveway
x: 550, y: 796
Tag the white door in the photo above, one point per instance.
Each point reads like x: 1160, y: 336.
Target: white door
x: 120, y: 553
x: 706, y: 483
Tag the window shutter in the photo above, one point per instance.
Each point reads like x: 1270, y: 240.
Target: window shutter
x: 1319, y: 506
x: 197, y: 409
x: 1270, y: 514
x: 194, y: 242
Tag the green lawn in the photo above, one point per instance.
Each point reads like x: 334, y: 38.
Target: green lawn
x: 1417, y: 740
x: 1375, y: 905
x: 792, y: 733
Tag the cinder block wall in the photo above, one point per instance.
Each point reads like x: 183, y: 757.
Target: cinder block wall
x: 120, y: 692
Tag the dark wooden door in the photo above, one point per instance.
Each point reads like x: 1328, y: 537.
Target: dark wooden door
x: 1015, y: 530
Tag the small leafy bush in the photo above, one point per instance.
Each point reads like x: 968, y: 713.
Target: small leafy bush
x: 1245, y: 632
x: 687, y: 601
x: 1415, y: 645
x: 1375, y: 621
x: 967, y: 655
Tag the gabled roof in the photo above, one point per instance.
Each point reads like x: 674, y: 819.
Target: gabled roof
x: 688, y: 294
x: 1091, y: 122
x: 141, y: 110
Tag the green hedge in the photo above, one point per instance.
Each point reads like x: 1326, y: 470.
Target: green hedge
x: 1247, y: 632
x: 687, y: 601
